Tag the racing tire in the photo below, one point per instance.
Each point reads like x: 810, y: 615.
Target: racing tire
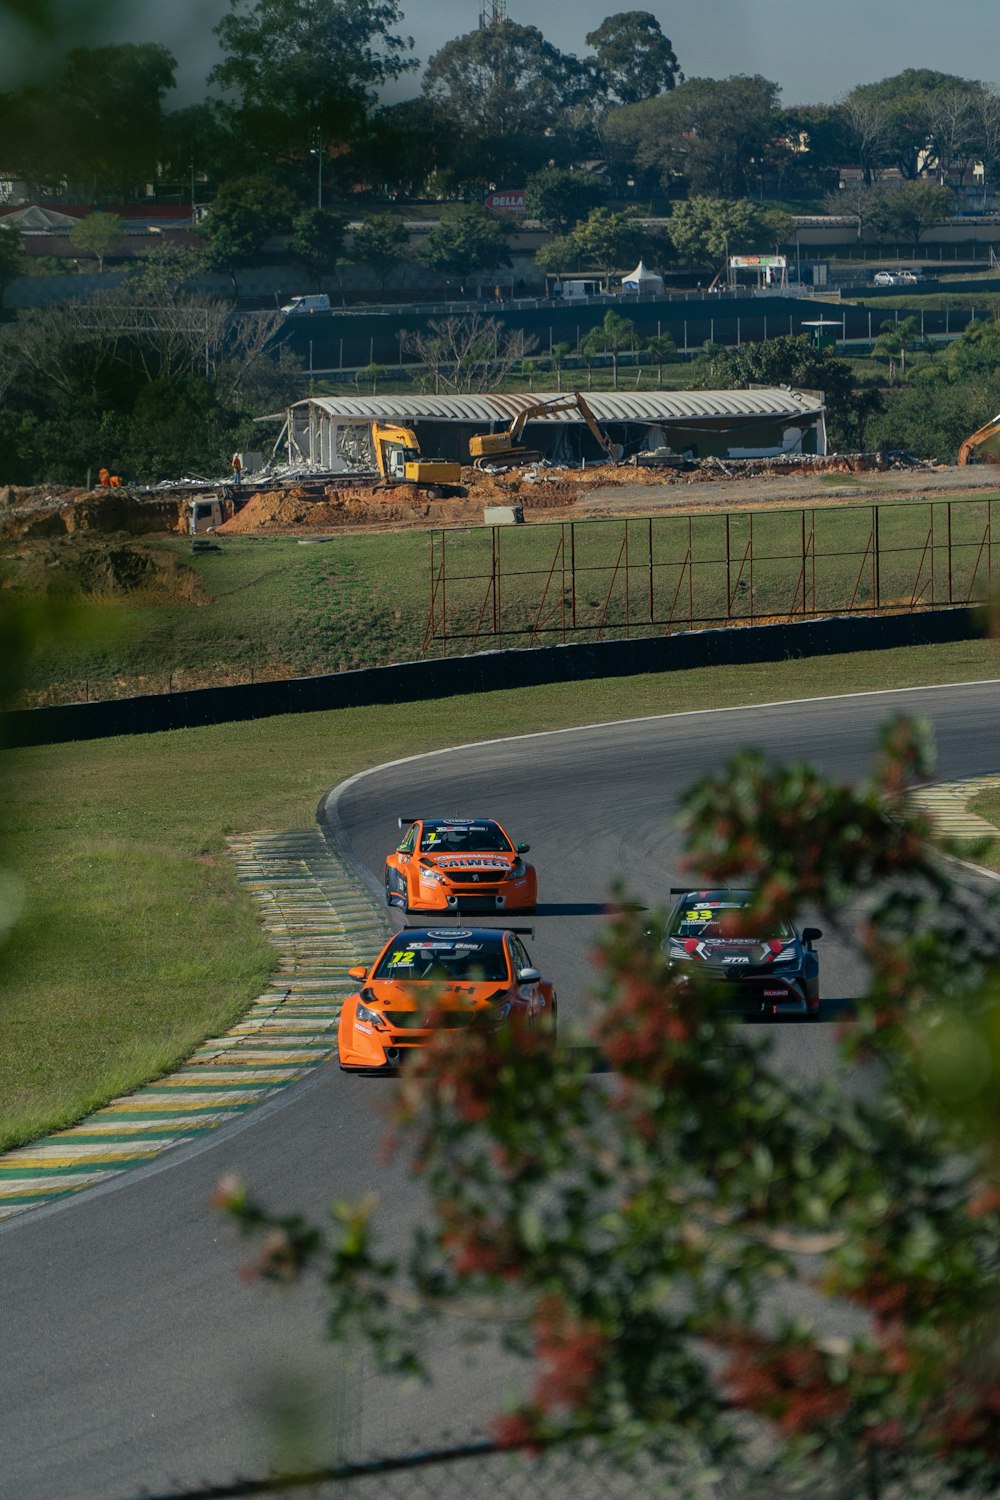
x: 814, y: 1012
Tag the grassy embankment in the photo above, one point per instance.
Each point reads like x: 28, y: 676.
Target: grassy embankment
x: 276, y: 608
x: 136, y: 941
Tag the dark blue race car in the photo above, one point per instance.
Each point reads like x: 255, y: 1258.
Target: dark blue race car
x: 711, y: 941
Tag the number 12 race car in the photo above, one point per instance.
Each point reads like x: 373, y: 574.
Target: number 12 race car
x: 427, y: 979
x: 459, y: 864
x: 711, y: 940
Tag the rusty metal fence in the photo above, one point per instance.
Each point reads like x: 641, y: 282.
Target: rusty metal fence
x: 508, y: 586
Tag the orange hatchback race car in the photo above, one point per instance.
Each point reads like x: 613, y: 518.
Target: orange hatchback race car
x: 459, y: 864
x: 429, y: 979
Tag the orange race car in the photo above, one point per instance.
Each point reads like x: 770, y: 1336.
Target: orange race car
x: 428, y: 978
x: 459, y: 864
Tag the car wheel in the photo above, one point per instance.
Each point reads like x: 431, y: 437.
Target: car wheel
x: 813, y: 1009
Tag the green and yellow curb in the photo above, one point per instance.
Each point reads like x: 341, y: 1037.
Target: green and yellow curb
x: 322, y: 919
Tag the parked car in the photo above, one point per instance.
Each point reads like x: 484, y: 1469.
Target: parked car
x: 885, y: 278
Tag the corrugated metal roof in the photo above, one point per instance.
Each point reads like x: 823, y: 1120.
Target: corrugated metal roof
x: 607, y: 406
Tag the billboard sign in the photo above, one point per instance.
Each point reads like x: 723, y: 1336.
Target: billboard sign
x: 511, y: 201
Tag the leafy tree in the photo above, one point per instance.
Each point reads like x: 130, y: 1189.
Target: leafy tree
x: 317, y: 240
x: 975, y: 353
x: 917, y: 205
x: 467, y: 238
x: 635, y: 60
x: 559, y: 198
x: 97, y: 234
x: 558, y: 355
x: 714, y: 133
x: 611, y: 337
x: 606, y: 238
x: 704, y: 230
x: 244, y: 216
x: 298, y: 75
x: 199, y: 148
x: 405, y: 145
x: 893, y: 120
x: 503, y: 80
x: 931, y: 416
x: 10, y: 259
x: 380, y: 244
x: 869, y: 204
x: 793, y: 360
x: 669, y: 1244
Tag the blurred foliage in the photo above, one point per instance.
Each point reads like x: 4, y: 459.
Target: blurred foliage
x: 675, y: 1244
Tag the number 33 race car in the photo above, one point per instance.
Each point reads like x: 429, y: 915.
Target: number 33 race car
x: 459, y: 864
x: 713, y: 942
x: 426, y: 979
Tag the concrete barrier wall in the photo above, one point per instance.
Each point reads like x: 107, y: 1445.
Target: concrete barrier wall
x: 487, y: 672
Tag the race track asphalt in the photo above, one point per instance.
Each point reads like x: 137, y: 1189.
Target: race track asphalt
x: 135, y: 1359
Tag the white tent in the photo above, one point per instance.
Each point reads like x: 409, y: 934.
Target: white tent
x: 642, y: 281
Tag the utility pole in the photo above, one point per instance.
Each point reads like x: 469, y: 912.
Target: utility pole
x: 317, y: 151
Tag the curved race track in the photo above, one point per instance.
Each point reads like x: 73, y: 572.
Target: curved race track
x: 134, y: 1359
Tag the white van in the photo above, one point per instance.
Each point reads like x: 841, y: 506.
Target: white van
x: 316, y: 302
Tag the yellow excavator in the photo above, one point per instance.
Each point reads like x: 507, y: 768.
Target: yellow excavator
x: 399, y: 461
x: 505, y: 451
x: 975, y: 439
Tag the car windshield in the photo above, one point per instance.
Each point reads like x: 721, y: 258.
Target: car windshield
x: 464, y: 838
x: 422, y: 957
x: 714, y: 917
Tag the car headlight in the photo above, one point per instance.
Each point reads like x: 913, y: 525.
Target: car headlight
x: 362, y: 1013
x: 432, y: 877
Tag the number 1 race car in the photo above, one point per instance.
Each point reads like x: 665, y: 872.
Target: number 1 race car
x: 710, y: 941
x: 459, y: 864
x: 426, y: 979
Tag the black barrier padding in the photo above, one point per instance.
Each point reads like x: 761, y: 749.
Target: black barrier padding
x: 487, y: 671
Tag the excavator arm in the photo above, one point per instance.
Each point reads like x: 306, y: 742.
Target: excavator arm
x: 973, y: 441
x: 503, y: 447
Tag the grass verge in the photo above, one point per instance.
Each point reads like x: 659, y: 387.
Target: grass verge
x: 136, y: 941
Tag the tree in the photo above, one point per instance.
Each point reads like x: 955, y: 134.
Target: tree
x: 669, y: 1244
x: 915, y: 206
x: 97, y: 234
x: 662, y: 346
x: 504, y: 80
x: 793, y: 360
x: 472, y: 354
x: 606, y: 238
x: 10, y: 259
x: 893, y: 120
x: 714, y: 133
x: 299, y: 75
x: 893, y: 343
x: 244, y: 216
x: 706, y: 230
x: 633, y: 57
x: 559, y: 198
x: 466, y: 238
x: 611, y: 337
x: 317, y: 240
x: 380, y: 244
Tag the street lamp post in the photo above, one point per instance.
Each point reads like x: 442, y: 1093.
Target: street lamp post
x: 317, y: 151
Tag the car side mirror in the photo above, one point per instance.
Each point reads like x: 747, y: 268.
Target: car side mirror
x: 523, y: 848
x: 360, y: 971
x: 529, y: 976
x: 810, y: 934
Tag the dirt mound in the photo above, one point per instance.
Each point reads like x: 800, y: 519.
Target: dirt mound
x: 40, y: 512
x: 353, y: 505
x: 100, y: 567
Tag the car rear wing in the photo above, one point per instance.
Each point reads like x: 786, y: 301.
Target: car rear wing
x: 460, y: 924
x: 405, y: 822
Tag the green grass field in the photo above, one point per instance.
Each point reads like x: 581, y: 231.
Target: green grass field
x: 277, y: 608
x: 136, y: 941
